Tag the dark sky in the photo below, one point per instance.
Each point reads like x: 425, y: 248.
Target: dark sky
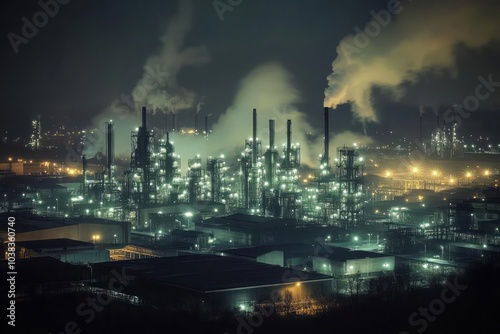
x: 92, y: 51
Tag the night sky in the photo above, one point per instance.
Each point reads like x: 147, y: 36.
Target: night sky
x: 427, y: 58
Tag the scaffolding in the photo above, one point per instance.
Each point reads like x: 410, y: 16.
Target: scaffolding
x: 350, y: 187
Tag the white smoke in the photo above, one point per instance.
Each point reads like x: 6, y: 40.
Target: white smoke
x: 269, y: 89
x: 157, y: 89
x: 422, y: 37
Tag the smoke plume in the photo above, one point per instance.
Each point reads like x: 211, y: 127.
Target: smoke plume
x: 269, y: 89
x: 157, y: 89
x: 422, y: 37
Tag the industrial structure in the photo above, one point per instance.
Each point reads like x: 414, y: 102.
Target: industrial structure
x: 266, y: 181
x: 444, y: 140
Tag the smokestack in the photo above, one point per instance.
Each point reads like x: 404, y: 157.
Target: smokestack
x: 326, y: 157
x: 288, y: 141
x: 174, y: 124
x: 144, y: 119
x: 84, y: 168
x: 254, y: 143
x: 271, y: 134
x: 109, y: 150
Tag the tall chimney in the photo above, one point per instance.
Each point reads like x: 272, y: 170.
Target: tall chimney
x: 288, y: 141
x: 84, y: 168
x: 109, y: 150
x: 326, y: 154
x: 254, y: 137
x: 144, y: 119
x: 271, y: 134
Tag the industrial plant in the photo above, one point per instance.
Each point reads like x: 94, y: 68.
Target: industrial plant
x: 265, y: 181
x: 282, y: 171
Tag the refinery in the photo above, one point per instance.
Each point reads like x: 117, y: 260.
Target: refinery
x: 250, y: 167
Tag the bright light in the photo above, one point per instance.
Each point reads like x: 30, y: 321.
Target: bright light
x: 298, y: 284
x: 355, y: 238
x: 388, y: 173
x: 188, y: 214
x: 415, y: 170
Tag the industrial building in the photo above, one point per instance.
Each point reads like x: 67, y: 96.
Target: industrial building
x: 353, y: 262
x: 64, y: 250
x: 244, y: 230
x: 92, y: 230
x: 287, y: 255
x: 266, y: 182
x: 211, y: 283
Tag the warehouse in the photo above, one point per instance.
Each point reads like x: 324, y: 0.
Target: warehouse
x: 353, y: 262
x: 94, y: 230
x: 210, y: 283
x: 65, y: 250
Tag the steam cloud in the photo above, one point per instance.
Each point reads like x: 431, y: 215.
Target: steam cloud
x: 269, y: 89
x: 406, y: 48
x: 157, y: 89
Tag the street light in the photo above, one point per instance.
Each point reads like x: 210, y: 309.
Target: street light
x: 95, y: 237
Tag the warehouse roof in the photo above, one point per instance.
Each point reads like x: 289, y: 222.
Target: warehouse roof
x: 304, y: 249
x: 29, y: 223
x: 61, y: 243
x: 248, y: 221
x: 209, y: 273
x: 355, y: 255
